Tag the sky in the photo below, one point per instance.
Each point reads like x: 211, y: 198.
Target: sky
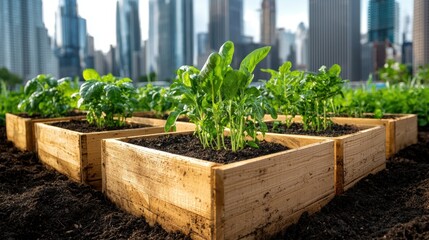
x: 101, y: 17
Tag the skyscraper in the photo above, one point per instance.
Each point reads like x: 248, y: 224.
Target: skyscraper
x: 175, y: 36
x: 301, y: 42
x: 128, y: 37
x: 421, y: 33
x: 24, y: 42
x: 152, y: 45
x: 286, y: 42
x: 382, y: 21
x: 70, y: 39
x: 225, y: 22
x: 268, y: 22
x: 334, y: 36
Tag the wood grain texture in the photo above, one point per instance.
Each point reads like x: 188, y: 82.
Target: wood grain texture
x: 401, y: 132
x: 20, y: 130
x: 251, y: 198
x: 78, y: 155
x: 180, y: 126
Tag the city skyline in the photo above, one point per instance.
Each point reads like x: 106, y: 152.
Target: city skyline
x: 289, y: 15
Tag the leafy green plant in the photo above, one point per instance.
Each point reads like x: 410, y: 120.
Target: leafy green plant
x: 310, y: 95
x: 394, y: 72
x: 9, y: 101
x: 47, y: 96
x: 219, y: 97
x: 155, y: 99
x: 108, y: 100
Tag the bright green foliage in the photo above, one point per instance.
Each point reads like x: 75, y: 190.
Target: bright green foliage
x: 304, y: 93
x: 47, y: 96
x: 422, y: 75
x: 155, y: 99
x: 397, y: 98
x: 9, y: 78
x: 108, y: 100
x: 394, y: 72
x: 219, y: 97
x: 9, y: 101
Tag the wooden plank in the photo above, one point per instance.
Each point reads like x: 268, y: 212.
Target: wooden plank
x: 60, y: 149
x: 263, y: 193
x: 363, y: 153
x: 180, y: 126
x: 78, y: 155
x: 406, y: 131
x: 167, y: 185
x: 20, y: 130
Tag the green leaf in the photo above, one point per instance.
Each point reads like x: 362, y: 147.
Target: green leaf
x: 252, y: 59
x: 90, y: 74
x: 171, y: 120
x: 112, y: 92
x: 285, y: 68
x: 227, y: 52
x: 231, y: 84
x: 335, y: 70
x: 212, y: 62
x: 252, y: 144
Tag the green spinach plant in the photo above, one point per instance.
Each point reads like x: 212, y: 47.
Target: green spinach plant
x: 220, y: 97
x: 308, y: 94
x: 155, y: 99
x: 47, y: 96
x: 108, y: 100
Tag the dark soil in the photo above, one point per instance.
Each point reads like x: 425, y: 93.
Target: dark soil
x: 298, y: 128
x: 84, y: 127
x: 157, y: 116
x: 36, y: 203
x: 189, y: 145
x: 37, y: 116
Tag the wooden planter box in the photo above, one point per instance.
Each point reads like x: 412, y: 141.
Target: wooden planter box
x: 401, y: 132
x: 356, y: 155
x: 76, y: 154
x: 248, y: 199
x: 20, y: 130
x: 180, y: 126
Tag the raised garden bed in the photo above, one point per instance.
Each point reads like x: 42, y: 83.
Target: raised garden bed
x: 253, y: 198
x: 20, y: 130
x: 356, y: 155
x: 77, y: 154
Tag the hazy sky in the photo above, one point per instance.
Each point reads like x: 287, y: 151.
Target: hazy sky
x: 101, y: 15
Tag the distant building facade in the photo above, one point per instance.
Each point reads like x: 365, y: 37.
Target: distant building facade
x: 128, y: 37
x: 225, y: 22
x: 268, y: 22
x: 302, y: 48
x: 25, y: 45
x: 334, y: 36
x: 421, y: 33
x: 285, y: 42
x: 383, y: 21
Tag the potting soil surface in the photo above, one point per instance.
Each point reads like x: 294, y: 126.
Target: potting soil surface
x: 334, y: 130
x: 37, y: 203
x: 85, y: 127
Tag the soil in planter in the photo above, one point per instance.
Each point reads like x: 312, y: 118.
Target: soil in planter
x: 389, y: 116
x: 85, y: 127
x: 189, y: 145
x: 38, y: 116
x: 36, y: 203
x: 163, y: 116
x: 298, y: 128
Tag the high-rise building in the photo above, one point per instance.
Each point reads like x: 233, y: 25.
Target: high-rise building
x: 302, y: 49
x: 383, y: 21
x: 203, y: 50
x: 421, y: 33
x: 128, y: 37
x: 175, y: 36
x: 70, y: 39
x: 100, y: 63
x: 152, y: 45
x: 285, y: 42
x: 268, y: 22
x: 225, y: 22
x: 334, y: 36
x: 25, y: 45
x: 112, y: 65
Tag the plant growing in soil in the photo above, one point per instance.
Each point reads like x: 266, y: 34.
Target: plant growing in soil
x: 108, y: 100
x: 155, y: 99
x: 47, y: 96
x: 219, y: 97
x: 9, y: 101
x: 304, y: 93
